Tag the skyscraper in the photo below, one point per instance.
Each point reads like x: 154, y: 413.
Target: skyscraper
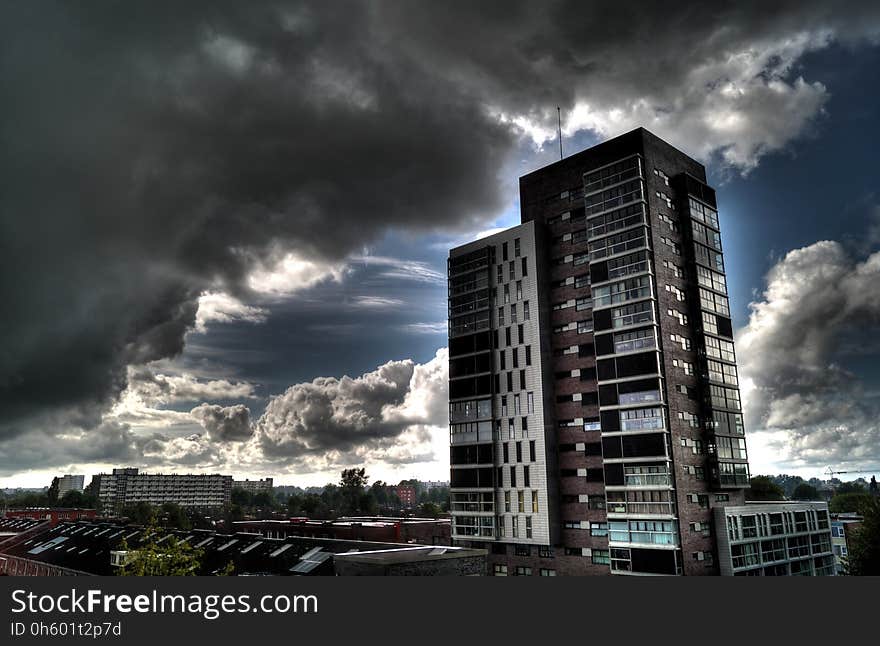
x: 595, y: 416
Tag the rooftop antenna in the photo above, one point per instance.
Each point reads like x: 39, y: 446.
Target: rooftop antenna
x: 559, y: 129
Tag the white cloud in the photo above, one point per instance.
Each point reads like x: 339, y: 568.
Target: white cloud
x: 393, y: 416
x: 219, y: 307
x: 436, y: 327
x: 741, y: 103
x: 401, y: 269
x: 819, y: 311
x: 377, y: 302
x: 290, y: 274
x: 224, y: 424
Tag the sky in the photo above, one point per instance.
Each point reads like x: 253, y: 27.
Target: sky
x: 224, y: 225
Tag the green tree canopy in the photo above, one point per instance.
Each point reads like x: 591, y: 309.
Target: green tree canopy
x: 805, y: 491
x: 142, y: 513
x: 763, y: 488
x: 52, y: 493
x: 157, y: 557
x: 863, y: 557
x: 848, y: 502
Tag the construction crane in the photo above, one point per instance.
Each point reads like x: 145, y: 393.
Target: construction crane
x: 831, y: 472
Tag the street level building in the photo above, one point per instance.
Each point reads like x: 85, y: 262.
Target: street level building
x: 774, y: 539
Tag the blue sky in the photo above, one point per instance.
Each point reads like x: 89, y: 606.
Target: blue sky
x: 244, y: 230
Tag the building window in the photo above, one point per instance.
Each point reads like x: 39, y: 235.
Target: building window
x: 526, y: 478
x: 500, y: 316
x: 526, y: 314
x: 523, y: 570
x: 534, y: 501
x: 531, y: 447
x: 623, y: 291
x: 601, y: 557
x: 598, y: 529
x: 595, y: 501
x: 585, y: 326
x: 528, y: 355
x: 516, y: 247
x: 641, y: 419
x: 519, y: 290
x: 528, y: 526
x: 531, y: 402
x: 500, y: 569
x: 545, y: 551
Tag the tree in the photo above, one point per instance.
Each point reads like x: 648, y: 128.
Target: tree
x: 763, y: 488
x: 849, y: 487
x: 352, y: 485
x: 52, y: 493
x: 142, y: 513
x: 430, y: 510
x: 848, y: 502
x: 873, y: 488
x: 90, y: 494
x: 173, y: 515
x: 863, y: 558
x: 161, y: 556
x: 73, y: 498
x: 805, y: 492
x: 242, y: 498
x: 264, y: 499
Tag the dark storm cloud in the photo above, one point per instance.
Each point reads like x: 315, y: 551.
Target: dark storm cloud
x: 150, y: 153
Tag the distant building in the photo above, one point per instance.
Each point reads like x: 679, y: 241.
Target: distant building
x: 774, y: 539
x: 427, y: 531
x: 406, y: 493
x: 434, y: 484
x: 93, y: 549
x: 70, y: 483
x: 128, y: 486
x: 253, y: 486
x: 841, y: 527
x: 54, y: 515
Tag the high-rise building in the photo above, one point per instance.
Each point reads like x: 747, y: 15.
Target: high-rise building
x: 254, y: 486
x: 70, y: 483
x: 127, y: 486
x: 595, y: 416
